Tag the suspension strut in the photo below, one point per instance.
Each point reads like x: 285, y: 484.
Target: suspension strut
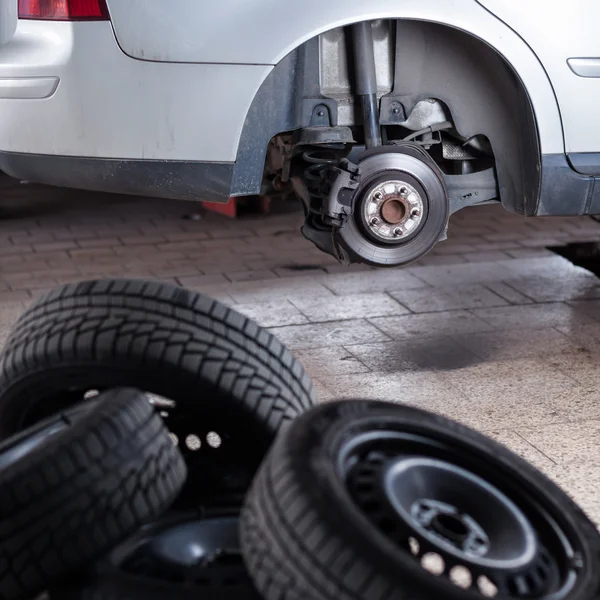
x: 366, y: 81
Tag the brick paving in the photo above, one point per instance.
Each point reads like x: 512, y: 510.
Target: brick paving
x: 491, y: 328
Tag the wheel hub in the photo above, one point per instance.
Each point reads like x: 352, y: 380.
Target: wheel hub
x: 459, y: 512
x: 393, y: 209
x: 392, y: 206
x: 447, y: 522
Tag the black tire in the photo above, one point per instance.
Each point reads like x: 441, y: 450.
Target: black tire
x: 223, y: 372
x: 76, y: 484
x: 135, y: 570
x: 304, y: 536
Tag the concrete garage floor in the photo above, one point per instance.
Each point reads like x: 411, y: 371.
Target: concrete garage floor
x: 491, y: 329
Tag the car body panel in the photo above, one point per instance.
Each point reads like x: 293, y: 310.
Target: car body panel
x: 110, y: 106
x: 557, y: 33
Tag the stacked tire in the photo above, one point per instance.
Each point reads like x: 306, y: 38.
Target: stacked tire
x: 158, y: 445
x: 89, y: 518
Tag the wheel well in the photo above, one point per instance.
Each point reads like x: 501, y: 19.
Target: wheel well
x: 415, y: 60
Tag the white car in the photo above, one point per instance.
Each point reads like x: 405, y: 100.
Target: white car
x: 382, y: 116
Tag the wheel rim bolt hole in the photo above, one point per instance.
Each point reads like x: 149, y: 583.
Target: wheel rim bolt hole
x: 461, y: 577
x: 213, y: 439
x: 433, y: 563
x: 486, y: 587
x: 193, y: 442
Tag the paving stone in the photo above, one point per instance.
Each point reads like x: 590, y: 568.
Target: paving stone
x: 581, y: 482
x: 273, y: 314
x: 448, y: 298
x: 36, y: 283
x: 528, y: 392
x: 566, y: 443
x: 53, y: 246
x: 14, y: 296
x: 440, y: 259
x: 489, y: 256
x: 508, y: 293
x: 185, y: 236
x: 515, y: 343
x: 575, y: 286
x: 200, y: 280
x: 536, y: 316
x: 431, y: 324
x: 351, y: 306
x: 289, y: 287
x: 330, y: 361
x: 529, y: 252
x: 333, y: 333
x: 373, y: 281
x: 323, y: 394
x: 15, y: 251
x: 294, y: 271
x: 424, y: 390
x: 101, y: 242
x: 85, y: 253
x: 462, y: 274
x: 521, y: 446
x: 541, y: 266
x: 250, y: 275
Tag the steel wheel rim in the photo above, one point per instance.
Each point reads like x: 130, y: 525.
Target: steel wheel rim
x: 366, y: 461
x: 225, y: 465
x: 192, y: 550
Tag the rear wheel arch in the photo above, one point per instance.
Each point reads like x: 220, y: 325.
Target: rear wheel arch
x: 485, y: 94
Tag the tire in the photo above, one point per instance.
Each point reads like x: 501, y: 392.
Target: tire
x: 306, y: 535
x: 76, y: 484
x: 221, y: 373
x: 136, y: 571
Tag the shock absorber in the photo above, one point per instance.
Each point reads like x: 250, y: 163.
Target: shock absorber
x: 366, y: 81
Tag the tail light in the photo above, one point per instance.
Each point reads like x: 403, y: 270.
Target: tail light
x: 64, y: 10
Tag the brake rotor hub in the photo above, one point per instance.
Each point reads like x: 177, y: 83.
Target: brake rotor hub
x: 393, y: 209
x: 392, y: 206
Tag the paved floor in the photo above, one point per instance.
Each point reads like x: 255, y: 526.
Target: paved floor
x: 491, y: 328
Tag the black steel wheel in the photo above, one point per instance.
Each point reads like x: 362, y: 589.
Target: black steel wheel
x: 187, y: 555
x: 363, y: 500
x: 224, y: 385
